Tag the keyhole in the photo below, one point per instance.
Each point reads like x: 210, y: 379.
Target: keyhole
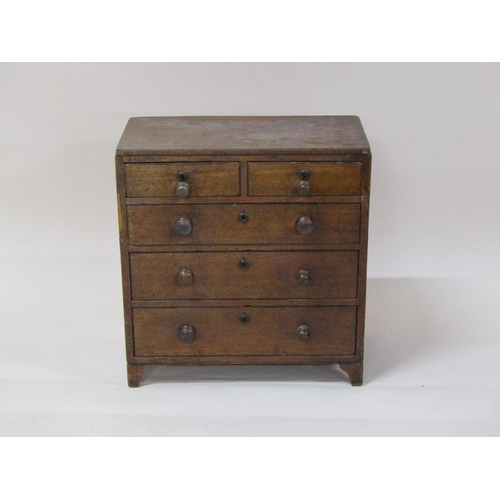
x: 244, y: 318
x: 182, y: 176
x: 304, y: 175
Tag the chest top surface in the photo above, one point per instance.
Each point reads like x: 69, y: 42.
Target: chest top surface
x: 243, y: 135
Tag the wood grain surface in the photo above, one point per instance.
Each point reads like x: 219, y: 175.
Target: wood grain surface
x: 270, y: 275
x: 269, y: 331
x: 245, y: 134
x: 282, y: 179
x: 206, y: 179
x: 266, y: 224
x: 251, y: 166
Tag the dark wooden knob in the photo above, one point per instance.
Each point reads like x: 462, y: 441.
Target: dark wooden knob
x: 187, y: 334
x: 182, y: 189
x: 304, y: 277
x: 183, y: 226
x: 304, y: 225
x: 303, y: 333
x: 185, y: 277
x: 304, y: 188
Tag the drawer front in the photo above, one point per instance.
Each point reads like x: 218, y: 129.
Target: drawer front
x: 304, y: 179
x: 244, y: 275
x: 237, y: 331
x: 242, y: 224
x: 146, y: 180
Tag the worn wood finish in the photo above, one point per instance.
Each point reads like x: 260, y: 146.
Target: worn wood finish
x: 363, y: 258
x: 206, y: 179
x: 240, y: 247
x: 189, y: 135
x: 248, y: 164
x: 125, y: 262
x: 268, y: 275
x: 355, y: 372
x: 265, y: 224
x: 306, y: 200
x: 135, y: 374
x: 241, y: 158
x: 246, y: 360
x: 244, y: 302
x: 325, y: 179
x: 268, y: 331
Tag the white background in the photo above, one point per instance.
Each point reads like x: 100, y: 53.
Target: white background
x: 432, y: 340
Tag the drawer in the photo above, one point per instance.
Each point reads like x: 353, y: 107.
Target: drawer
x: 304, y: 179
x: 237, y: 331
x: 244, y: 275
x: 146, y: 180
x: 243, y: 224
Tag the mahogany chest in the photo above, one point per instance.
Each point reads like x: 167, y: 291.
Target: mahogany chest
x: 244, y: 240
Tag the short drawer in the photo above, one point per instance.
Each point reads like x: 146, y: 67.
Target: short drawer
x: 244, y: 275
x: 243, y: 224
x: 237, y: 331
x: 304, y: 179
x: 146, y: 180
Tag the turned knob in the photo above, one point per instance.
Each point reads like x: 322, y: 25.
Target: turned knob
x: 303, y: 333
x: 303, y: 277
x: 304, y: 225
x: 182, y: 189
x: 183, y: 226
x: 304, y: 188
x: 187, y: 334
x: 183, y: 185
x: 185, y: 277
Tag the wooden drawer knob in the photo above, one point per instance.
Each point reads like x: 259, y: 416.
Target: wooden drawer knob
x: 304, y: 188
x: 183, y: 226
x: 304, y: 225
x: 187, y: 334
x: 183, y: 188
x: 303, y: 333
x: 185, y: 277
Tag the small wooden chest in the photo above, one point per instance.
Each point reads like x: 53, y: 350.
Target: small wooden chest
x: 244, y: 240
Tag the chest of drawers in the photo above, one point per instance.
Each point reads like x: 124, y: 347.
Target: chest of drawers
x: 244, y: 240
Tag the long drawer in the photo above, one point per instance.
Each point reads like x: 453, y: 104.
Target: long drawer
x: 235, y: 331
x: 241, y: 275
x: 226, y: 224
